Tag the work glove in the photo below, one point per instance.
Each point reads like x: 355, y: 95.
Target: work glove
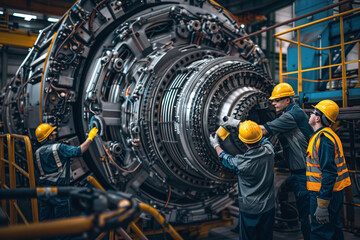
x: 322, y: 213
x: 92, y: 133
x: 231, y: 122
x: 214, y: 140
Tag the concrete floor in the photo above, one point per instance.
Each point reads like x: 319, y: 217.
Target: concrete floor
x: 227, y: 233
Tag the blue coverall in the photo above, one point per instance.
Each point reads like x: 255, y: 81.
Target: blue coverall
x: 53, y: 173
x: 255, y: 169
x: 294, y: 133
x: 332, y: 230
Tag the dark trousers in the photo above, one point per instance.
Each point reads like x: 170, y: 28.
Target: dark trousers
x: 256, y: 226
x: 332, y: 230
x: 54, y: 208
x: 302, y: 196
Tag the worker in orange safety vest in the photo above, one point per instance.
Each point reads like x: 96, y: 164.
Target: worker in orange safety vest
x: 326, y: 173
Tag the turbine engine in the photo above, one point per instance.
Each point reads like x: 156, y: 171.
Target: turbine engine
x: 156, y: 78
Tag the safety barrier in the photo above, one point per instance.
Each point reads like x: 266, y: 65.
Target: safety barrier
x: 343, y: 63
x: 15, y: 169
x: 4, y: 21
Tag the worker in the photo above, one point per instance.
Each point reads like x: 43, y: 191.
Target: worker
x: 255, y: 170
x: 326, y: 172
x: 294, y: 132
x: 53, y: 163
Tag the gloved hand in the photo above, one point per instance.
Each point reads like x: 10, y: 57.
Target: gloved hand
x: 214, y: 140
x: 322, y: 212
x: 231, y: 122
x: 92, y: 133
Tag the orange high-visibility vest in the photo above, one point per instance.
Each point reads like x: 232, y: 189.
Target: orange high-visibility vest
x: 313, y: 171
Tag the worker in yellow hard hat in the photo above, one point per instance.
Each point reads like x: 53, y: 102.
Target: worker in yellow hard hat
x: 293, y: 131
x: 255, y: 169
x: 53, y: 164
x: 326, y: 172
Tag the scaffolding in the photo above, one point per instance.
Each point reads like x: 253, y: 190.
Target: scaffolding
x: 343, y: 63
x: 8, y: 181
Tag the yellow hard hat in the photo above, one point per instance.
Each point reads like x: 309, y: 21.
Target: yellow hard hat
x: 43, y: 131
x: 250, y: 132
x: 282, y: 90
x: 329, y: 108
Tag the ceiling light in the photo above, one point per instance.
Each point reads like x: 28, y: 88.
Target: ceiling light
x: 50, y: 19
x: 27, y: 17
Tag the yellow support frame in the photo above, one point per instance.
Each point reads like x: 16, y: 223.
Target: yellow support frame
x: 280, y: 62
x: 299, y: 62
x: 13, y: 169
x: 3, y: 161
x: 343, y: 58
x: 343, y: 64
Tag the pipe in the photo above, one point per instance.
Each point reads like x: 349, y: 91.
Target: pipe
x: 48, y: 229
x: 291, y: 20
x: 95, y: 183
x: 160, y: 219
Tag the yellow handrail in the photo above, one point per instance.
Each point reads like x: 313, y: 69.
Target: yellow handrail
x: 316, y: 48
x: 330, y: 65
x: 2, y: 168
x: 13, y: 170
x: 324, y: 80
x: 4, y: 21
x: 317, y: 21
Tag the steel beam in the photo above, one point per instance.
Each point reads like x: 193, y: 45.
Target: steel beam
x: 4, y: 65
x: 18, y: 38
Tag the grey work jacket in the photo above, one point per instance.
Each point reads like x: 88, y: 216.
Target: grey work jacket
x: 255, y: 169
x: 294, y: 132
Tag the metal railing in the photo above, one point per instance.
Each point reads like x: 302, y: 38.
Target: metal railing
x: 343, y: 62
x: 4, y: 21
x: 15, y: 169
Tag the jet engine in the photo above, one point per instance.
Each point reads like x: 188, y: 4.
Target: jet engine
x: 156, y: 79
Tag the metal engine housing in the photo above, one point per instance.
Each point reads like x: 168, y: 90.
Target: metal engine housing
x: 156, y: 78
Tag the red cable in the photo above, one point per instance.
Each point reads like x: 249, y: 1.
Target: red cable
x: 168, y: 200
